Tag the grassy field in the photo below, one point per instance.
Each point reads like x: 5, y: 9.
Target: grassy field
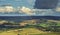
x: 33, y: 29
x: 28, y: 31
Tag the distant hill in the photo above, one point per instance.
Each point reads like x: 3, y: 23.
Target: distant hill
x: 22, y: 18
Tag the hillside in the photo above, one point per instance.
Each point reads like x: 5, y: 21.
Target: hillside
x: 22, y: 18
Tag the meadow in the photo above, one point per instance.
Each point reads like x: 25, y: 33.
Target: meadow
x: 28, y: 31
x: 30, y: 27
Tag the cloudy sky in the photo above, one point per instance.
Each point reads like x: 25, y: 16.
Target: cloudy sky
x: 15, y: 3
x: 26, y: 6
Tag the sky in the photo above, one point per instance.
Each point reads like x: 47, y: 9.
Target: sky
x: 26, y: 8
x: 45, y: 4
x: 15, y: 3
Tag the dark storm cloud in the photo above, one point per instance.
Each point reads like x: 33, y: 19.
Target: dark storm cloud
x: 45, y: 4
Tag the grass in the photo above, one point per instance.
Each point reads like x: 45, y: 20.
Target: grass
x: 28, y: 31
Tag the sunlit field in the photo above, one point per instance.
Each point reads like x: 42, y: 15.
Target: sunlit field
x: 28, y: 31
x: 30, y: 27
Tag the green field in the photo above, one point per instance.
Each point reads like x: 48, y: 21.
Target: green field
x: 32, y: 27
x: 28, y: 31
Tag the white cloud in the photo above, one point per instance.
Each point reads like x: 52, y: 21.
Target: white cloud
x: 43, y: 12
x: 26, y: 10
x: 7, y: 9
x: 58, y: 9
x: 2, y: 9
